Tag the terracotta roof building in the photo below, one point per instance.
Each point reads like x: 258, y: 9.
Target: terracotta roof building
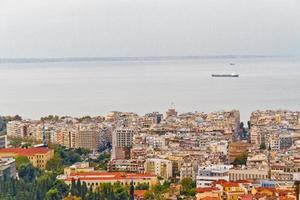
x: 38, y: 156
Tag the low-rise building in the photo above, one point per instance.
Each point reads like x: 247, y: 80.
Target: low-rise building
x: 131, y: 165
x: 7, y: 168
x: 38, y: 156
x: 245, y: 174
x: 95, y: 178
x: 208, y: 174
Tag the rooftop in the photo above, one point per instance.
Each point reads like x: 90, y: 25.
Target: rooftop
x: 26, y: 152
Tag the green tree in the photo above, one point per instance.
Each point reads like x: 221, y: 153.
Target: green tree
x: 55, y: 164
x: 61, y: 187
x: 28, y: 172
x: 52, y: 194
x: 21, y: 160
x: 263, y: 146
x: 241, y: 159
x: 188, y: 187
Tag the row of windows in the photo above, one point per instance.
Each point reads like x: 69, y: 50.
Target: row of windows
x: 247, y: 176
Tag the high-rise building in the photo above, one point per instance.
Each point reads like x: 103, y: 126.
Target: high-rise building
x: 88, y: 139
x: 122, y: 139
x: 3, y: 141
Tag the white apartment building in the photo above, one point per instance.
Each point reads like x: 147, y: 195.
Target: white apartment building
x: 208, y: 174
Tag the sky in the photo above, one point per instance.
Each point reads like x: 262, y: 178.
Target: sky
x: 124, y: 28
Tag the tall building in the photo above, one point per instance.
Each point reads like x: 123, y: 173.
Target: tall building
x: 3, y: 141
x: 14, y: 128
x: 87, y: 139
x: 159, y: 167
x: 122, y: 139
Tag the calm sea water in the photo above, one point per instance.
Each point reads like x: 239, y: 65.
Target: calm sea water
x: 95, y: 88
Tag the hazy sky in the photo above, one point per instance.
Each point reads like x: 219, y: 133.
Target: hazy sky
x: 65, y: 28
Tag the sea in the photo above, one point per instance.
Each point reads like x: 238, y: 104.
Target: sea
x: 96, y: 87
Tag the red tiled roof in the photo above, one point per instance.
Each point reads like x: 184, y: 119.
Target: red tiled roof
x: 209, y: 198
x: 139, y: 193
x: 229, y: 184
x: 246, y: 197
x: 259, y: 189
x: 219, y: 182
x: 26, y: 152
x: 244, y: 181
x: 107, y: 176
x: 205, y: 189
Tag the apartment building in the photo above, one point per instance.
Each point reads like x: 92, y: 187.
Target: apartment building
x: 3, y: 141
x: 159, y: 167
x: 122, y: 139
x: 88, y: 139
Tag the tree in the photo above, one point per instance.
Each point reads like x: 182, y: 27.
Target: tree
x: 61, y: 187
x: 249, y: 125
x: 52, y: 194
x: 263, y: 146
x: 240, y: 159
x: 55, y: 164
x: 188, y: 186
x: 21, y: 160
x: 28, y: 172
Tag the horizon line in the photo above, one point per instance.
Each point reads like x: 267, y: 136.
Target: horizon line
x: 128, y: 58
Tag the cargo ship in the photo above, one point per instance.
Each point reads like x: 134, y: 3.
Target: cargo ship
x: 225, y: 75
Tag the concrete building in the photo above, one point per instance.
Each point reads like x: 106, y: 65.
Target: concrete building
x: 208, y: 174
x: 13, y: 128
x: 131, y: 165
x: 187, y: 170
x: 159, y: 167
x: 87, y: 139
x: 7, y: 168
x: 286, y: 141
x: 38, y: 156
x: 122, y: 139
x: 3, y: 141
x: 246, y: 174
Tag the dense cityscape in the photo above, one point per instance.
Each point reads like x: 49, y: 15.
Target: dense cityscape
x: 194, y: 155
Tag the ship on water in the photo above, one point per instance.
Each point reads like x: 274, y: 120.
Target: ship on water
x: 225, y: 75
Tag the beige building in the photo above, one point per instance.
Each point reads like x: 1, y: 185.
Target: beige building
x: 38, y: 156
x: 122, y: 139
x: 95, y: 178
x: 87, y: 139
x: 159, y: 167
x: 246, y: 174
